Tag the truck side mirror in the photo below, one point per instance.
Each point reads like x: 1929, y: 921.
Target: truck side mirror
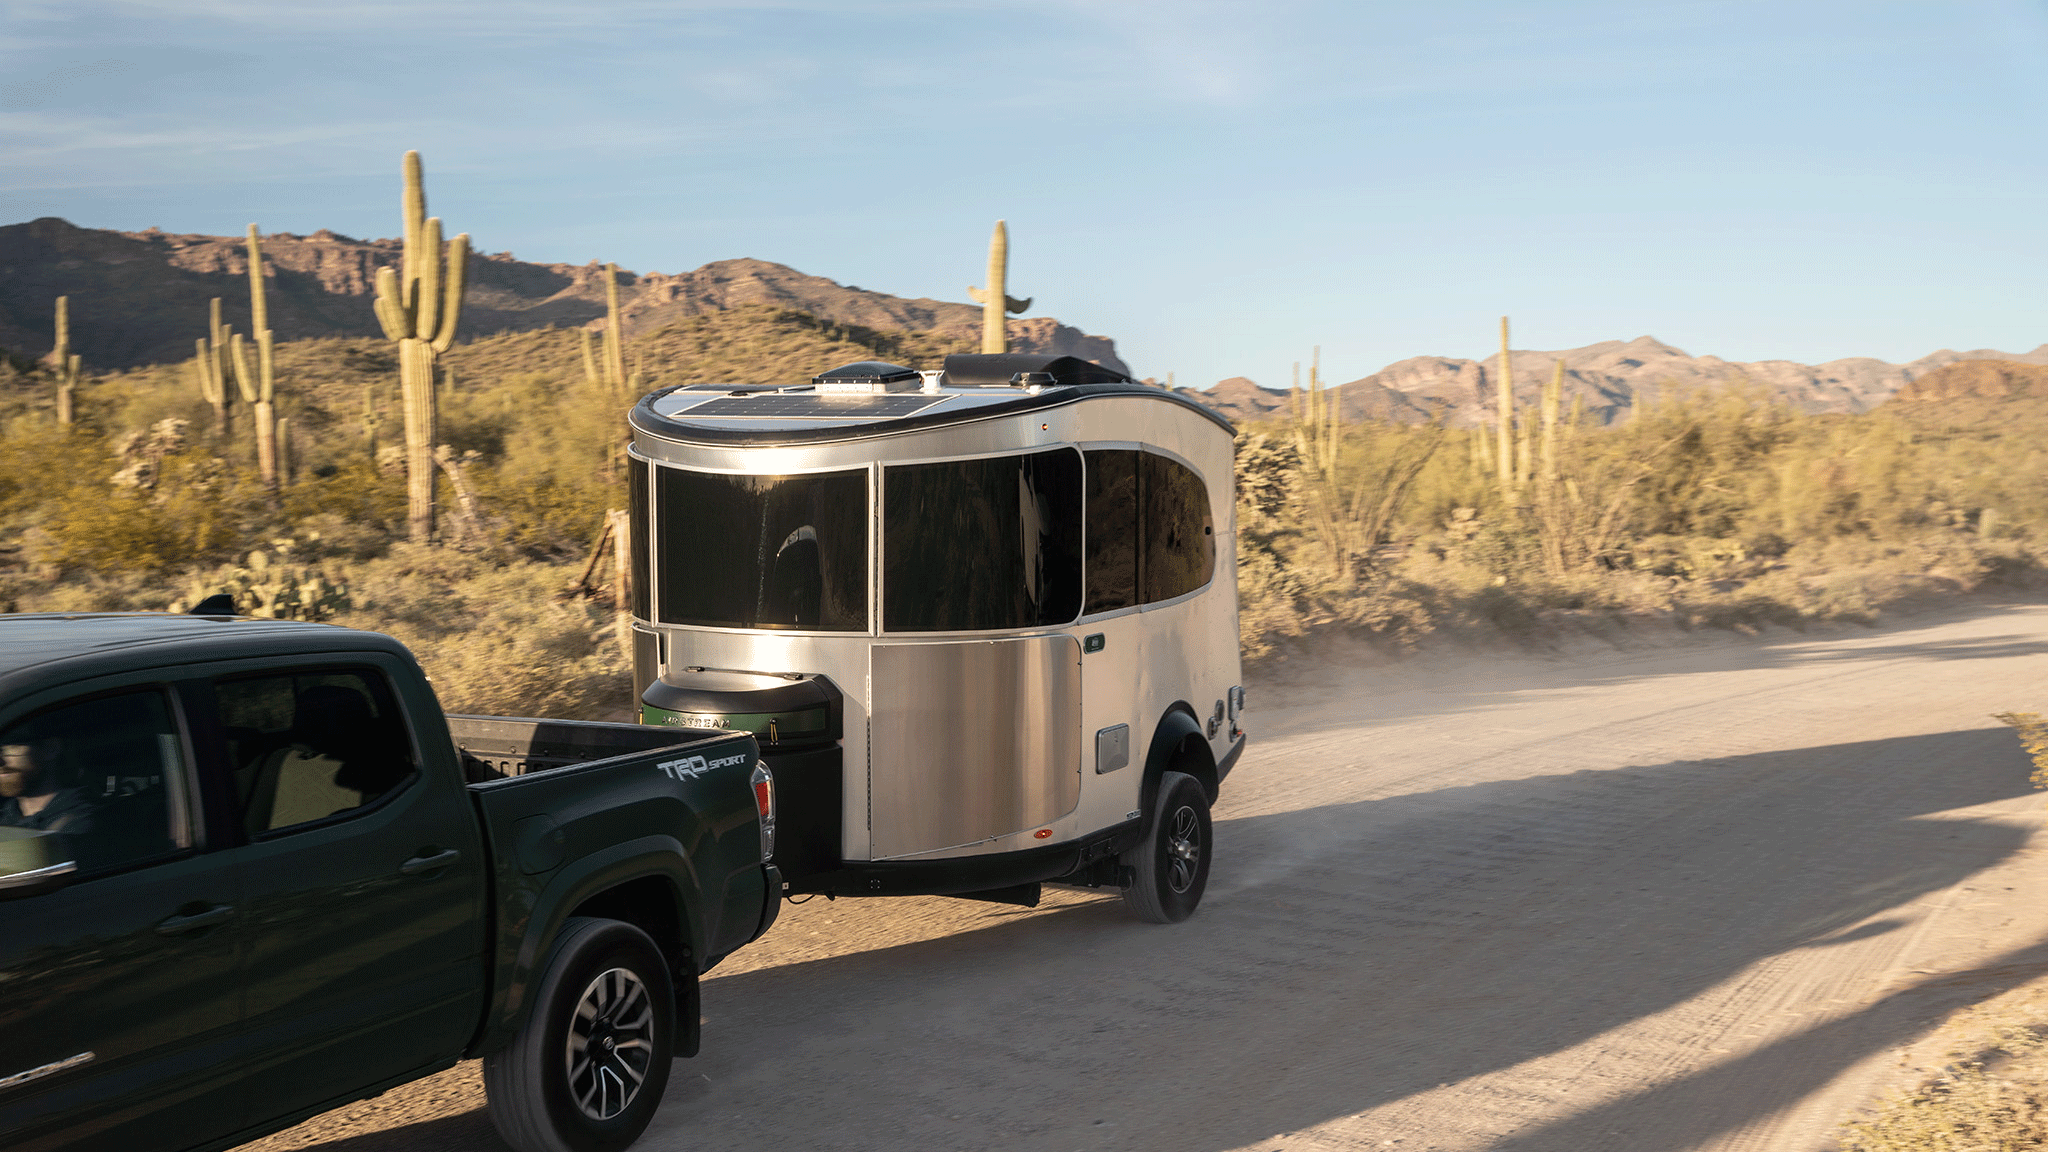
x: 33, y: 862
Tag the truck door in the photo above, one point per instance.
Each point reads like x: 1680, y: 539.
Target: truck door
x: 119, y: 1017
x: 364, y: 883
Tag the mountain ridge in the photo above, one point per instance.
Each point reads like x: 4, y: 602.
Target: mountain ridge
x: 1608, y: 377
x: 141, y: 297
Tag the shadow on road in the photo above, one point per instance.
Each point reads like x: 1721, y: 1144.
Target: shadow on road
x: 1356, y: 955
x: 1691, y: 1111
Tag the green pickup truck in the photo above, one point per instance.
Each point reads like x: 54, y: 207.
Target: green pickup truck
x: 249, y: 872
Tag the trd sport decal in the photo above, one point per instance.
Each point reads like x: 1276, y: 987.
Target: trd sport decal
x: 691, y: 767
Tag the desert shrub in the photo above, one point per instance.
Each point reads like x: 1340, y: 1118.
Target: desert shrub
x: 2033, y: 734
x: 495, y: 638
x: 1710, y: 509
x: 198, y: 510
x: 356, y: 492
x: 1991, y: 1102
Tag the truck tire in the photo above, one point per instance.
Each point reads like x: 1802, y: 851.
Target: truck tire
x: 1171, y: 867
x: 585, y: 1072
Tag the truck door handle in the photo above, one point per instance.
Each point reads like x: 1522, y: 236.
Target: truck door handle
x: 437, y: 861
x: 179, y: 925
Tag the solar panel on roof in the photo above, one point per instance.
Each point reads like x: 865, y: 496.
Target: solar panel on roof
x: 812, y: 405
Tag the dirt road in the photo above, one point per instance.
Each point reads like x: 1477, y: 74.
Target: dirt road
x: 1687, y: 898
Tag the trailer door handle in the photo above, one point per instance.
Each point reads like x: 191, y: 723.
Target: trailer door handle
x: 179, y: 925
x: 434, y: 863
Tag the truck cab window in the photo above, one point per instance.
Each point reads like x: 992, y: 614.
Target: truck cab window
x: 309, y: 745
x: 762, y: 551
x: 973, y: 545
x: 107, y: 774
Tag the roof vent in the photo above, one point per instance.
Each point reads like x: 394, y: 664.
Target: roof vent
x: 867, y: 376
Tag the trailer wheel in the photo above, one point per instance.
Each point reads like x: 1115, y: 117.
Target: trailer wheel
x: 586, y: 1071
x: 1171, y: 867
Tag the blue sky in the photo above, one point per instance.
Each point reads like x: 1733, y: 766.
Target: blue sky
x: 1219, y: 186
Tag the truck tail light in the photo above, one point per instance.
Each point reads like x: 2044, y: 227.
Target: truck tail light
x: 764, y: 806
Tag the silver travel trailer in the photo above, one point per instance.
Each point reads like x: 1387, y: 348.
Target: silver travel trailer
x: 983, y: 623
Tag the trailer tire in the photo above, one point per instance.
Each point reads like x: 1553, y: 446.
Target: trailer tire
x: 560, y: 1086
x: 1170, y: 868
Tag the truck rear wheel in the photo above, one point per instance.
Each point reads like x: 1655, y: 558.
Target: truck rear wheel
x: 587, y: 1069
x: 1170, y: 869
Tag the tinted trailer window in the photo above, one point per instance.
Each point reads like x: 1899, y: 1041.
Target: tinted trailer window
x: 974, y: 545
x: 763, y: 551
x: 1150, y: 534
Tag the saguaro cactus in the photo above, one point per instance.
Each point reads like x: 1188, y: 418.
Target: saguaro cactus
x: 259, y: 388
x: 65, y: 361
x: 210, y: 367
x: 1553, y: 404
x: 995, y: 336
x: 604, y: 367
x: 1316, y: 436
x: 1506, y: 407
x: 419, y: 306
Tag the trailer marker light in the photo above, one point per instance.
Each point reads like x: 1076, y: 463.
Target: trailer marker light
x: 1041, y: 834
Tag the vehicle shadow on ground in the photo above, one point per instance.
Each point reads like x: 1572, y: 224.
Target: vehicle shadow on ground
x: 1355, y: 955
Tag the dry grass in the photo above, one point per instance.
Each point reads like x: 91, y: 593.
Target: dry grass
x: 1990, y: 1093
x: 485, y: 618
x: 495, y: 639
x: 1711, y: 511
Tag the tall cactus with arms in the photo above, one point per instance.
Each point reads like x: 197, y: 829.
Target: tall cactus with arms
x: 65, y: 361
x: 995, y: 335
x: 259, y: 387
x: 419, y: 306
x: 210, y: 368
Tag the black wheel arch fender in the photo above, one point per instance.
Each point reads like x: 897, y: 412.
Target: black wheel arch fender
x: 1177, y: 746
x: 642, y: 866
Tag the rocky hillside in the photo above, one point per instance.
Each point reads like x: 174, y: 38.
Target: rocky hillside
x: 1609, y: 378
x: 141, y: 297
x: 1976, y: 379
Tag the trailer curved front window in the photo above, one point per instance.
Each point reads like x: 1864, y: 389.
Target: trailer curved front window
x: 762, y: 551
x: 974, y: 545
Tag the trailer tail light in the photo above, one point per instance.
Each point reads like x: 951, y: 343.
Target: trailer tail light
x: 764, y: 806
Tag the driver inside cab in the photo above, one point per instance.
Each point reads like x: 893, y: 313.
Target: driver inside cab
x: 32, y: 794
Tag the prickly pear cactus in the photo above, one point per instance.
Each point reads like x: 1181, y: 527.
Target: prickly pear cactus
x: 272, y: 589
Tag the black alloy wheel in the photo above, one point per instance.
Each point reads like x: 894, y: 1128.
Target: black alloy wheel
x: 1171, y: 868
x: 586, y: 1070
